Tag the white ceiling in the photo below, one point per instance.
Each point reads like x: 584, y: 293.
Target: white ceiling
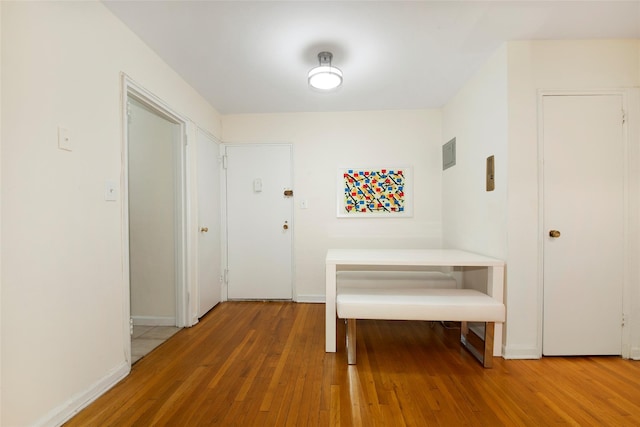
x: 253, y: 56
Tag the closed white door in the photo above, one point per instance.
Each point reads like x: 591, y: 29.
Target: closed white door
x: 259, y: 222
x: 583, y: 225
x: 209, y: 205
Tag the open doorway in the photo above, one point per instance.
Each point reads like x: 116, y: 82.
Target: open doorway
x: 154, y: 214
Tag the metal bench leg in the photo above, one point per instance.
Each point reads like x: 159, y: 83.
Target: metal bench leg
x: 481, y: 349
x: 489, y: 328
x: 351, y: 341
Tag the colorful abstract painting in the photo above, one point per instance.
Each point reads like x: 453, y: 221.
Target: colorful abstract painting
x: 371, y: 192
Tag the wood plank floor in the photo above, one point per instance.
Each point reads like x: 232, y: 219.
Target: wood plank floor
x: 263, y: 364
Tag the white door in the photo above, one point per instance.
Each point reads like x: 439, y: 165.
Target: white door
x: 259, y: 222
x: 584, y: 203
x: 209, y: 244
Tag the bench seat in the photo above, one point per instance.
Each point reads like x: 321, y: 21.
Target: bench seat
x: 465, y: 305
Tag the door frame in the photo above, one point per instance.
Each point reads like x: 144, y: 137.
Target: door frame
x: 224, y: 236
x: 132, y: 89
x: 631, y: 202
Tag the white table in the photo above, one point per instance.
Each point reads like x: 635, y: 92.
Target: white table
x: 399, y: 259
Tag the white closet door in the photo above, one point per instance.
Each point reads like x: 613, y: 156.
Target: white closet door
x: 584, y: 211
x: 209, y: 205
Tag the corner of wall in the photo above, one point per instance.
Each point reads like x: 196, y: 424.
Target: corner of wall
x: 631, y: 306
x: 474, y: 219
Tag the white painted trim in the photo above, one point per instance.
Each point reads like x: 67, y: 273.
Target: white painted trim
x: 313, y: 299
x: 183, y: 278
x: 631, y: 222
x: 153, y: 321
x: 513, y: 350
x: 294, y: 288
x: 79, y: 401
x: 223, y: 222
x: 631, y: 305
x: 124, y: 215
x: 520, y: 352
x: 224, y: 289
x: 182, y: 224
x: 192, y: 222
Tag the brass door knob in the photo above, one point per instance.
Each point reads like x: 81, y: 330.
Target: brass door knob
x: 204, y: 229
x: 554, y: 233
x: 285, y: 226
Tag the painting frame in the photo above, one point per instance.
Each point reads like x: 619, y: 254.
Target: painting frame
x: 396, y: 193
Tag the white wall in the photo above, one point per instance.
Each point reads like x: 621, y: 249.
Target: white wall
x: 496, y: 113
x: 323, y: 142
x: 474, y: 219
x: 535, y: 65
x: 63, y: 290
x: 152, y: 219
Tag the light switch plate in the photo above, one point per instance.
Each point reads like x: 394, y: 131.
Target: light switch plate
x: 110, y: 191
x: 491, y: 177
x: 64, y: 139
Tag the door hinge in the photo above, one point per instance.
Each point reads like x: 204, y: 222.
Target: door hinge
x: 224, y: 161
x: 131, y: 326
x: 624, y: 117
x: 624, y: 320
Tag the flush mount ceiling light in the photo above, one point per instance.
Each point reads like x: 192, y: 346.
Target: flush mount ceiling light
x: 325, y: 76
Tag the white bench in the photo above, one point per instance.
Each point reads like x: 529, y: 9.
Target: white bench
x: 394, y: 303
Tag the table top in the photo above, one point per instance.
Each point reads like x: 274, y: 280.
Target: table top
x: 415, y: 257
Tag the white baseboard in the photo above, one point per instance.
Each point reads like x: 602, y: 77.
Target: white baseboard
x: 311, y: 298
x: 153, y: 321
x: 520, y: 352
x: 75, y: 404
x: 635, y: 353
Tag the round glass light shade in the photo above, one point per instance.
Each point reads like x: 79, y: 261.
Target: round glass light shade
x: 325, y: 77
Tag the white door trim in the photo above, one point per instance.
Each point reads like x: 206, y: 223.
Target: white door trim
x: 223, y: 223
x: 135, y: 90
x: 631, y: 221
x: 224, y: 234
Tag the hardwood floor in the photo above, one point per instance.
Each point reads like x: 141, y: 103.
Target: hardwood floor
x: 263, y: 364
